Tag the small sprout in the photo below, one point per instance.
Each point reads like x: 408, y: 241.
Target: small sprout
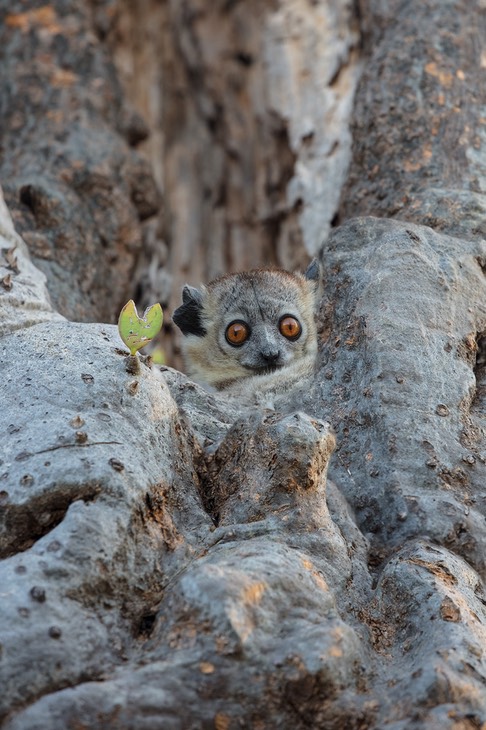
x: 135, y: 331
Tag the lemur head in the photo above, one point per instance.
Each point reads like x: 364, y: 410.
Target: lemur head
x: 247, y: 324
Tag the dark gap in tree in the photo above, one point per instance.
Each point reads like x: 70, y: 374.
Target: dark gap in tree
x: 27, y: 196
x: 246, y: 59
x: 146, y: 625
x: 336, y: 221
x: 479, y: 401
x: 28, y: 523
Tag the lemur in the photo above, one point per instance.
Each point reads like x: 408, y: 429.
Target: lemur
x: 251, y: 331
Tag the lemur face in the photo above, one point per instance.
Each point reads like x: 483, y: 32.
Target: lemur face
x: 248, y: 324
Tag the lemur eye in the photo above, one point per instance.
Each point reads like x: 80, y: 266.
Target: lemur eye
x: 237, y: 333
x: 290, y: 327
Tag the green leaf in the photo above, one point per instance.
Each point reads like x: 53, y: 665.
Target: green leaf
x: 135, y: 331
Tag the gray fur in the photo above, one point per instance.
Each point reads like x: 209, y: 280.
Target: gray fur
x: 260, y: 299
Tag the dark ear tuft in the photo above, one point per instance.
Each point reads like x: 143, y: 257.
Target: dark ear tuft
x: 313, y: 271
x: 188, y: 316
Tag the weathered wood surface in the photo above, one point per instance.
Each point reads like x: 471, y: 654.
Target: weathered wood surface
x: 249, y: 107
x: 76, y: 188
x: 172, y: 559
x: 419, y: 127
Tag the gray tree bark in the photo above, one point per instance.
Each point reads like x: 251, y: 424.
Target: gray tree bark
x: 174, y: 559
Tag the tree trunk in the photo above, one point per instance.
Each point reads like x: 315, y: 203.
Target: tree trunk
x: 418, y: 123
x: 175, y: 559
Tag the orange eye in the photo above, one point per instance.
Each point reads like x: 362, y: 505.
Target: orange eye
x: 237, y: 333
x: 290, y: 327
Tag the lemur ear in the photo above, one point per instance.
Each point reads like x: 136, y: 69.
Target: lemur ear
x: 313, y: 271
x: 313, y: 274
x: 188, y: 317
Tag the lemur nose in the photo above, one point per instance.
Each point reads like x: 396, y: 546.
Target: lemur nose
x: 270, y: 355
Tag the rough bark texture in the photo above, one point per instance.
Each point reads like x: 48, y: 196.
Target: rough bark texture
x: 173, y: 559
x: 419, y: 122
x: 76, y: 188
